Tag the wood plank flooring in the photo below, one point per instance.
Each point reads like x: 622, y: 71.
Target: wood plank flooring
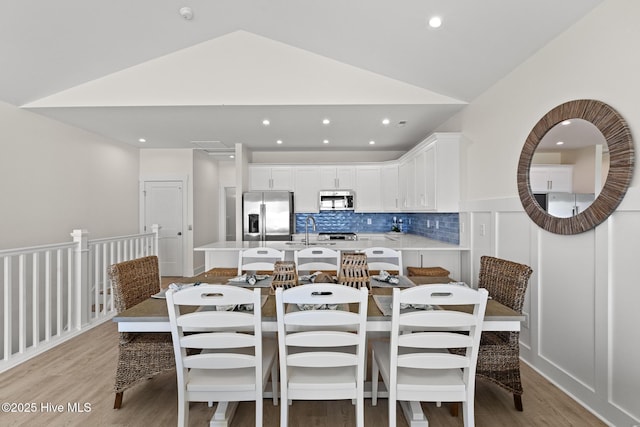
x: 82, y: 371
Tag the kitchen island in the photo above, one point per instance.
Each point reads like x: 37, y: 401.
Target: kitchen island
x: 416, y: 250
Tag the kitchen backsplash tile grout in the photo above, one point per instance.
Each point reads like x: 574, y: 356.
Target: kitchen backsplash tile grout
x: 444, y: 227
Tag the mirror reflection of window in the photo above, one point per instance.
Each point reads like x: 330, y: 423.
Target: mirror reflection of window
x: 578, y: 145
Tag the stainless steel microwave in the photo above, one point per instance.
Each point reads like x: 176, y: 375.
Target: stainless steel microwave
x: 337, y: 200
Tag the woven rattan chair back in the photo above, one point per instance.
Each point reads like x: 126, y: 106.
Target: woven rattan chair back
x: 285, y: 275
x: 134, y: 281
x: 354, y: 270
x: 505, y: 280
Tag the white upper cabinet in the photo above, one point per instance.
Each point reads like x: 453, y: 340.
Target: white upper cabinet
x: 429, y: 175
x: 337, y: 178
x: 368, y: 197
x: 425, y: 170
x: 407, y: 184
x: 547, y: 178
x: 389, y: 187
x: 267, y: 177
x: 425, y: 179
x: 306, y: 189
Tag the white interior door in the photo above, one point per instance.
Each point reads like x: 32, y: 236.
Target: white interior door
x: 163, y: 206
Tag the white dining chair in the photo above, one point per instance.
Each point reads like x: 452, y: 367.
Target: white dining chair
x: 317, y: 259
x: 416, y: 365
x: 387, y: 259
x: 322, y: 351
x: 232, y: 361
x: 258, y: 259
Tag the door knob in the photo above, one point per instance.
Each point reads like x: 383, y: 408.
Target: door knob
x: 179, y: 233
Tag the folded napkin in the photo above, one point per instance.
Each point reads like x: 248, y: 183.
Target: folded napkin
x: 308, y: 277
x: 249, y: 278
x: 384, y: 276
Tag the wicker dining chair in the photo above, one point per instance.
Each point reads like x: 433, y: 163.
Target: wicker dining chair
x: 140, y: 355
x: 499, y: 355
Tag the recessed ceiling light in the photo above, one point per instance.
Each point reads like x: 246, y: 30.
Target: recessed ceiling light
x: 142, y: 140
x: 435, y: 22
x: 566, y: 122
x: 372, y: 142
x: 325, y: 141
x: 232, y: 156
x: 559, y: 142
x: 279, y: 141
x: 386, y: 121
x: 266, y: 122
x: 326, y: 121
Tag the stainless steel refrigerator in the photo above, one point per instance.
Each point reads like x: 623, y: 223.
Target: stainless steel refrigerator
x: 566, y: 205
x: 267, y: 215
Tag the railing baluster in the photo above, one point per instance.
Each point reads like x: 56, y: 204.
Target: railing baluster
x: 35, y: 312
x: 47, y: 296
x: 8, y: 331
x: 22, y: 305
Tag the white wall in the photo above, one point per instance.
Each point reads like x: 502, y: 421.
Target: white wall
x: 206, y: 198
x: 56, y: 178
x: 583, y: 329
x: 200, y: 173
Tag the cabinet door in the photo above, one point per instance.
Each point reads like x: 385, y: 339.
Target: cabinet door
x: 281, y: 178
x: 538, y: 180
x: 346, y: 178
x: 328, y: 180
x: 259, y: 178
x: 306, y: 189
x: 429, y: 164
x: 368, y: 189
x: 407, y: 184
x: 389, y: 188
x: 561, y: 179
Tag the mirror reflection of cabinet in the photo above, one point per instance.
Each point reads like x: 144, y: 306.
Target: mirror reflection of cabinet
x: 546, y: 178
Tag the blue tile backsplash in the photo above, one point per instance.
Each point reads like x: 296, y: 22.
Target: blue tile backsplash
x: 422, y: 224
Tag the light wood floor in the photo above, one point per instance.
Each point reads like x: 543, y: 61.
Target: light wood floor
x: 82, y: 371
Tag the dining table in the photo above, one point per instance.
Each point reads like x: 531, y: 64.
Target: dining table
x: 151, y: 315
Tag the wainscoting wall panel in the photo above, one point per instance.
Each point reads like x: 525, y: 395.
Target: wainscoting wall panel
x: 582, y: 302
x: 624, y: 318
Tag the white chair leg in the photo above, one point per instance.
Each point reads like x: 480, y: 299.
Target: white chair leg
x: 360, y: 412
x: 274, y: 382
x: 284, y: 410
x: 392, y: 409
x: 374, y: 380
x: 468, y: 416
x: 183, y: 412
x: 259, y: 409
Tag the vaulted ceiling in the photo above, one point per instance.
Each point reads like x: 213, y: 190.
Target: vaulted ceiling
x: 138, y: 69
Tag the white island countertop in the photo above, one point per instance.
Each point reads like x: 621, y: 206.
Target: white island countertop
x: 390, y: 240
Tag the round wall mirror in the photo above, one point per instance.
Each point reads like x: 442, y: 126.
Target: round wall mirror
x: 575, y: 166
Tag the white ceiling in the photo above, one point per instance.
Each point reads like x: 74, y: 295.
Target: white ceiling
x: 131, y: 69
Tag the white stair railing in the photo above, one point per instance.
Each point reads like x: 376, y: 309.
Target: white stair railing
x: 51, y: 293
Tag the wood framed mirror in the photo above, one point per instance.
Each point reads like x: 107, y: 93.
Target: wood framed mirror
x: 619, y: 142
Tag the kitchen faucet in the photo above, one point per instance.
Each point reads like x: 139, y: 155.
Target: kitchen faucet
x: 306, y: 228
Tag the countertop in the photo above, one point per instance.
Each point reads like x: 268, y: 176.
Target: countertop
x: 397, y: 241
